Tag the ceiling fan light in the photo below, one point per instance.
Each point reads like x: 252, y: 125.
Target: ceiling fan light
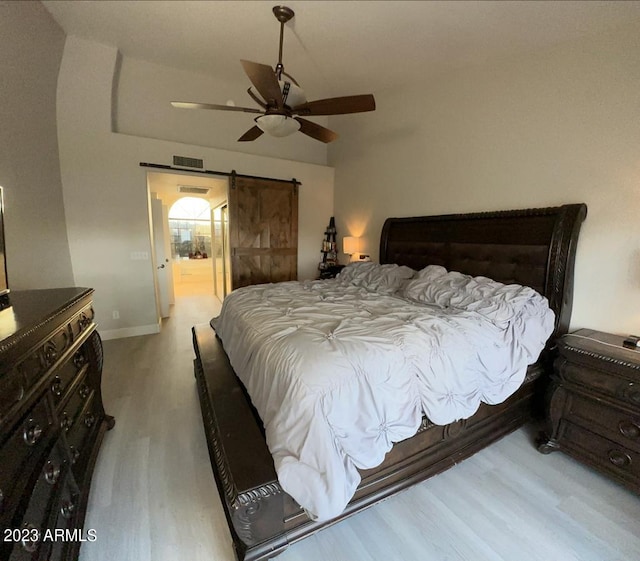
x: 277, y: 125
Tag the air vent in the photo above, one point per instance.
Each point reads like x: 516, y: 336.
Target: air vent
x: 193, y: 190
x: 188, y: 162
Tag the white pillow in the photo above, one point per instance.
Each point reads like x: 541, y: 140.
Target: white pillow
x: 383, y: 279
x: 353, y: 273
x: 522, y: 313
x: 496, y: 301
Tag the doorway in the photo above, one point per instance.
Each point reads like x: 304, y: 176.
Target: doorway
x: 191, y: 247
x: 188, y: 232
x: 224, y: 232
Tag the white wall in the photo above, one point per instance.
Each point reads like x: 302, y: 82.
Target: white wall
x: 561, y: 126
x: 31, y: 45
x: 105, y: 191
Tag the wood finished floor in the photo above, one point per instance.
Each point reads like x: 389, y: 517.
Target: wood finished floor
x: 153, y: 496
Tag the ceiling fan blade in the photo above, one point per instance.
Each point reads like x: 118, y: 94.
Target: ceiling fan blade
x: 264, y: 80
x: 251, y: 134
x: 256, y: 99
x: 316, y: 131
x: 337, y: 105
x: 190, y: 105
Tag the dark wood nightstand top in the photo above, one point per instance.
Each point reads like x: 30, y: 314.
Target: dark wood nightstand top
x: 600, y: 345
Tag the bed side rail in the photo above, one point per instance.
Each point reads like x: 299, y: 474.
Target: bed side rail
x: 242, y: 464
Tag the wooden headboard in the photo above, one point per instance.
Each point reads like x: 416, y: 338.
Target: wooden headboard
x: 533, y: 247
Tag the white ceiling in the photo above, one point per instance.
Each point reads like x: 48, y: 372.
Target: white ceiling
x: 337, y: 48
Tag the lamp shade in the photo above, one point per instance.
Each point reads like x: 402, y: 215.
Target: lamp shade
x: 350, y: 244
x: 277, y: 125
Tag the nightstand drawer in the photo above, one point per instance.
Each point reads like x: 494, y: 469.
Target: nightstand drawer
x: 612, y: 422
x: 599, y: 381
x: 600, y: 452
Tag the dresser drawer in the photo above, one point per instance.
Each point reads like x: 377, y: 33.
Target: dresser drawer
x: 601, y: 452
x: 12, y: 391
x: 60, y: 353
x: 61, y: 515
x: 69, y: 412
x: 81, y: 437
x: 63, y: 380
x: 628, y: 391
x: 41, y: 507
x: 67, y: 512
x: 24, y: 448
x: 614, y: 423
x: 48, y: 355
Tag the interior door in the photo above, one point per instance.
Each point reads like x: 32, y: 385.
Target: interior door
x: 263, y: 230
x: 220, y: 250
x: 161, y: 261
x: 226, y: 252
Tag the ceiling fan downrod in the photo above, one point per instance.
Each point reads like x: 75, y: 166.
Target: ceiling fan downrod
x: 283, y: 15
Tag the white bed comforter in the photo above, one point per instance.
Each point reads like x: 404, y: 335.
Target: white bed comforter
x: 338, y: 372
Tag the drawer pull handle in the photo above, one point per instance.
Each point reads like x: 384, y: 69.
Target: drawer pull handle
x: 56, y: 386
x: 67, y: 509
x: 89, y: 420
x: 79, y: 360
x: 84, y: 321
x: 51, y: 473
x: 65, y: 422
x: 29, y: 531
x: 75, y: 454
x: 84, y: 391
x: 619, y: 459
x: 50, y: 353
x: 632, y: 393
x: 32, y: 433
x: 629, y: 429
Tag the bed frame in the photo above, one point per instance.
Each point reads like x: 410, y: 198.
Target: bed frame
x: 533, y: 247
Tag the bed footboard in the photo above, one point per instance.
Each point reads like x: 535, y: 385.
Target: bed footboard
x: 251, y: 496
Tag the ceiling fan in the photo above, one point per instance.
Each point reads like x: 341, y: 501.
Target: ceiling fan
x: 283, y: 101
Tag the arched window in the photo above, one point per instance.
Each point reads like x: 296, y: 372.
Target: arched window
x: 190, y: 225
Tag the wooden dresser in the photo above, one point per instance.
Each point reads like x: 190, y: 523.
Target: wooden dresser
x: 51, y: 422
x: 594, y: 405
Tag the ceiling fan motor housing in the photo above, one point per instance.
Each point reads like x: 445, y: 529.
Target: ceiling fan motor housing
x: 291, y: 94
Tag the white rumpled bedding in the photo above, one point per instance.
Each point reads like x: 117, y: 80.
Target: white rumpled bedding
x: 341, y: 369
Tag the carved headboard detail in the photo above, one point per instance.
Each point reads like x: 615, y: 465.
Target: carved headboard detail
x: 533, y: 247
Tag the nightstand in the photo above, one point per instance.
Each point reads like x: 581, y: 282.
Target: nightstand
x: 594, y: 405
x: 330, y: 272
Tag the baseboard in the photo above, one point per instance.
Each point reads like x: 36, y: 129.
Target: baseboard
x: 107, y: 334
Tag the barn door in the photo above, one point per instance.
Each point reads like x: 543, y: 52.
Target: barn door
x: 263, y: 230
